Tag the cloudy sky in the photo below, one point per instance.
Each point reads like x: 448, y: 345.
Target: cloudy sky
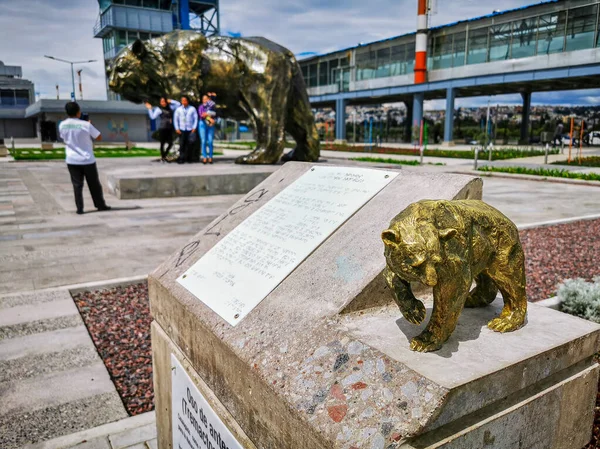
x: 30, y: 29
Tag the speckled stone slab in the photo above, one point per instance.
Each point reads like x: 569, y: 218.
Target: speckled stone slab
x: 322, y: 362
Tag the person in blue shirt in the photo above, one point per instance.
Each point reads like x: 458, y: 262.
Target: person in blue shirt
x: 186, y: 125
x: 164, y: 113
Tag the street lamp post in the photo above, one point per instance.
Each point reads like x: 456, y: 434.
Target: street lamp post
x: 72, y: 70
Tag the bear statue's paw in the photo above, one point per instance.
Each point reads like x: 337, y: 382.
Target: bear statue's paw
x: 258, y: 156
x: 426, y: 342
x: 416, y: 313
x: 508, y: 323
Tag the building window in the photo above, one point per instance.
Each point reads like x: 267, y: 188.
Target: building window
x: 323, y: 73
x: 143, y: 36
x: 383, y: 63
x: 7, y: 97
x: 410, y: 57
x: 313, y: 81
x: 524, y: 38
x: 581, y: 27
x: 304, y: 69
x: 154, y: 4
x: 478, y: 46
x: 442, y: 52
x: 500, y: 38
x: 22, y: 97
x: 133, y: 2
x: 121, y: 39
x: 366, y: 64
x: 551, y: 35
x: 398, y: 60
x: 458, y: 52
x: 104, y: 4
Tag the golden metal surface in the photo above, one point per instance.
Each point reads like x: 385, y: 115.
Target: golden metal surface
x: 253, y: 78
x: 447, y: 245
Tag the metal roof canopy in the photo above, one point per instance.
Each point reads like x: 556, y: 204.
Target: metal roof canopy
x: 439, y: 27
x: 88, y: 106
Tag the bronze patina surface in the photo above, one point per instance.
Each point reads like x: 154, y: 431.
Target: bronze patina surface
x: 447, y: 245
x: 253, y: 78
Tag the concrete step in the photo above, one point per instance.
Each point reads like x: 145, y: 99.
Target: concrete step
x: 52, y: 380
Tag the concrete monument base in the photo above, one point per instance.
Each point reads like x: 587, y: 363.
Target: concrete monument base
x: 173, y: 180
x: 324, y: 360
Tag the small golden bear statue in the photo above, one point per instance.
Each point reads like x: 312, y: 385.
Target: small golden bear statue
x: 447, y: 245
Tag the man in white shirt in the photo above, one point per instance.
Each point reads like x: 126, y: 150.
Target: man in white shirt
x: 77, y: 135
x: 186, y: 123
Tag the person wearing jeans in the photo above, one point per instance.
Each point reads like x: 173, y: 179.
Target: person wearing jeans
x: 77, y: 135
x: 207, y: 113
x: 186, y: 123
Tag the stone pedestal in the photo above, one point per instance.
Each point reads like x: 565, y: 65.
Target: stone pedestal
x: 174, y: 180
x: 324, y: 361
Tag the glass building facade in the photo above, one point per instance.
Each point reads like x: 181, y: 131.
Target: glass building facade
x: 567, y: 28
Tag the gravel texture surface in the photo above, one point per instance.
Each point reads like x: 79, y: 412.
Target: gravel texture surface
x: 556, y: 253
x: 118, y: 320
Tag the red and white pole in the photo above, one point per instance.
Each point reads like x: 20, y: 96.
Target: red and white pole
x: 421, y: 43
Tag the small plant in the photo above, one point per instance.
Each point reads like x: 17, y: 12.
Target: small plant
x: 581, y: 298
x: 588, y: 161
x: 497, y: 155
x: 552, y: 173
x: 391, y: 161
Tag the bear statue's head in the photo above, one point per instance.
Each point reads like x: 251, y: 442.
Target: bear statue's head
x: 413, y: 250
x: 136, y: 74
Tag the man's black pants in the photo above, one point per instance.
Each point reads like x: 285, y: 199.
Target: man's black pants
x: 166, y: 137
x: 90, y: 173
x: 185, y: 147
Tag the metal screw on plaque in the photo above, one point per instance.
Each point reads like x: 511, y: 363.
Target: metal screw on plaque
x: 236, y: 316
x: 184, y: 276
x: 312, y: 169
x: 387, y: 176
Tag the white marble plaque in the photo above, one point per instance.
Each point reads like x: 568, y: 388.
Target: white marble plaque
x: 236, y: 274
x: 195, y: 423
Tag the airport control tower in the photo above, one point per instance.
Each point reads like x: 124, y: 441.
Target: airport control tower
x: 121, y: 22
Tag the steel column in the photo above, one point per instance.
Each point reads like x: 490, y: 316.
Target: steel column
x: 418, y: 100
x: 449, y: 125
x: 525, y: 117
x: 184, y: 14
x: 340, y: 119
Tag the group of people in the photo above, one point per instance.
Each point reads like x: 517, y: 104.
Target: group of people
x: 78, y: 134
x: 187, y: 122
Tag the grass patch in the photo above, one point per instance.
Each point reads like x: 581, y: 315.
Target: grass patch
x: 588, y: 161
x: 551, y: 173
x: 391, y: 161
x: 35, y: 154
x: 497, y: 155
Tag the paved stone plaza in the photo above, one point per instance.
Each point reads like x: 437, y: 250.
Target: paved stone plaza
x: 44, y: 244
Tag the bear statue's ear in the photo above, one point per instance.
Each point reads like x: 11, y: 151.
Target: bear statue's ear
x: 139, y: 49
x: 446, y: 234
x: 390, y: 237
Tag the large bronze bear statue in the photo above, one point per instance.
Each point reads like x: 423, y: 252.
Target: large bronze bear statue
x: 446, y: 245
x: 252, y: 77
